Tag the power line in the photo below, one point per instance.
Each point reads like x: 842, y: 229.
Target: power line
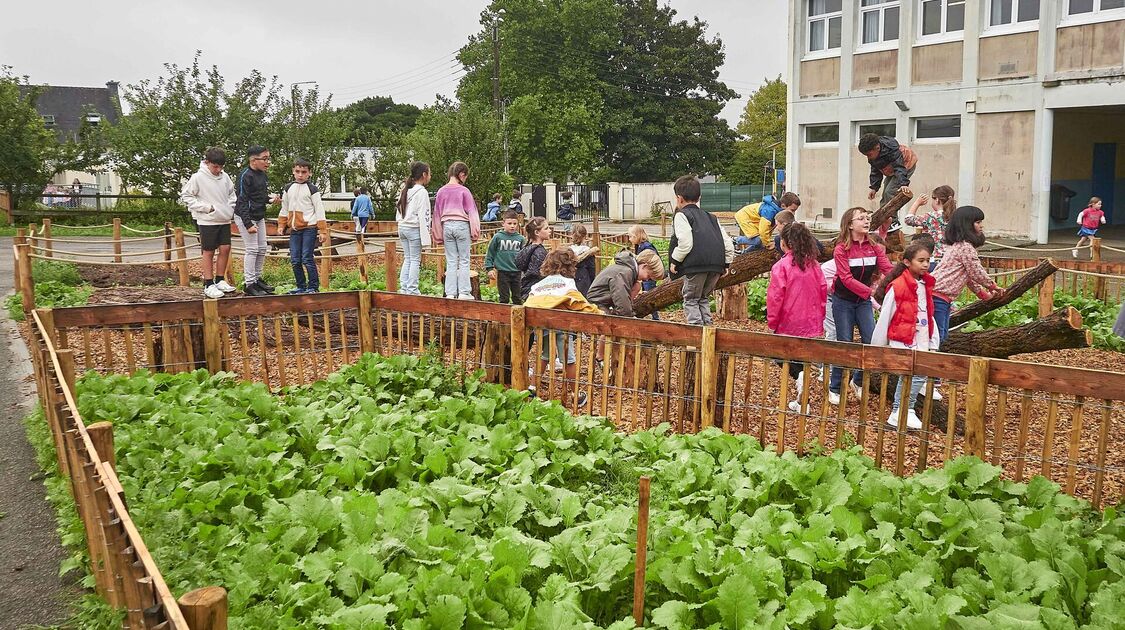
x: 391, y: 78
x: 424, y: 77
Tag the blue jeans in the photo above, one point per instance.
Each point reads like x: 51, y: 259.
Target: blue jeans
x: 411, y: 240
x: 747, y: 244
x: 916, y: 385
x: 301, y: 246
x: 457, y: 249
x: 941, y: 317
x: 564, y: 347
x: 848, y: 316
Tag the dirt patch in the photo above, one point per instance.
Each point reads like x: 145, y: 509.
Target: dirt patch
x: 133, y: 295
x: 134, y: 275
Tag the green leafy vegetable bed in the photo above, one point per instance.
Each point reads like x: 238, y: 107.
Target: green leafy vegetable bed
x: 395, y: 494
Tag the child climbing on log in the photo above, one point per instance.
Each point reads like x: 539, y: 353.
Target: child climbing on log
x: 1089, y: 220
x: 960, y: 265
x: 906, y: 319
x: 795, y: 298
x: 858, y: 260
x: 942, y: 205
x: 638, y: 238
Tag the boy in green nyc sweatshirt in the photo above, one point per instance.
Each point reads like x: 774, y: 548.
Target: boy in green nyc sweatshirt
x: 500, y: 260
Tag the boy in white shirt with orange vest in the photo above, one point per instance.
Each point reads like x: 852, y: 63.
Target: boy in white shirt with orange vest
x: 302, y: 213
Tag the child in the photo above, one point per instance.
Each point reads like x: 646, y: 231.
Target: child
x: 413, y: 226
x: 584, y: 255
x: 566, y: 209
x: 700, y: 251
x: 638, y: 238
x: 795, y: 298
x: 858, y: 260
x: 492, y: 213
x: 906, y: 319
x: 615, y: 288
x: 1088, y: 222
x: 500, y: 259
x: 210, y: 197
x: 557, y: 290
x: 756, y: 221
x: 250, y: 208
x: 942, y: 205
x: 892, y: 165
x: 362, y: 211
x: 302, y: 212
x: 514, y: 205
x: 531, y: 257
x: 457, y: 224
x: 960, y: 265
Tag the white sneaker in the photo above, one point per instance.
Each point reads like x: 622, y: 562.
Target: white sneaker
x: 1074, y: 253
x: 937, y: 394
x: 795, y: 406
x: 833, y: 398
x: 213, y: 291
x: 856, y: 391
x: 465, y: 296
x: 913, y: 422
x: 558, y: 365
x: 225, y: 286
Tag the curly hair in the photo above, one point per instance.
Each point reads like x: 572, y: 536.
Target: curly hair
x: 559, y: 261
x: 801, y: 244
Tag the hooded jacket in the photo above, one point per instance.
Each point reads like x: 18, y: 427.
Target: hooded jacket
x: 529, y: 261
x: 796, y: 298
x: 905, y: 305
x: 757, y: 219
x: 210, y: 198
x: 612, y: 289
x: 894, y: 160
x: 301, y: 208
x: 559, y: 292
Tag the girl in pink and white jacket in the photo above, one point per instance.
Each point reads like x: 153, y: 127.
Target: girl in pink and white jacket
x: 796, y: 294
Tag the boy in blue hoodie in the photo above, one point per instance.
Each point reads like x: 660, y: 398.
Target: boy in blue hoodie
x: 362, y: 209
x: 492, y: 212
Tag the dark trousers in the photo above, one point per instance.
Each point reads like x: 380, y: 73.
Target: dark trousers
x: 301, y: 246
x: 508, y: 284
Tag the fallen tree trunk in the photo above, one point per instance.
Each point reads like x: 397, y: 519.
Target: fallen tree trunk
x: 1032, y: 278
x: 894, y: 242
x: 1058, y: 331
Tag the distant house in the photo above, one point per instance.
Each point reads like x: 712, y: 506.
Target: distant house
x: 64, y: 109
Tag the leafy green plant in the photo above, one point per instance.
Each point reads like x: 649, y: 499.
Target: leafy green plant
x: 1097, y: 315
x: 49, y: 294
x: 756, y: 298
x: 53, y: 271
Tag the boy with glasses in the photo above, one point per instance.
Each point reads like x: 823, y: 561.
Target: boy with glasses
x: 250, y: 211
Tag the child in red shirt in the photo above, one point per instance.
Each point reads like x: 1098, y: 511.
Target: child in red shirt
x: 1089, y: 220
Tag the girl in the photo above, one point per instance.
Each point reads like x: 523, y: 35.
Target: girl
x: 796, y: 295
x: 857, y: 262
x: 638, y: 238
x: 906, y: 319
x: 413, y: 226
x: 457, y: 224
x: 531, y: 257
x: 584, y: 255
x: 960, y: 265
x: 1088, y: 222
x: 942, y: 205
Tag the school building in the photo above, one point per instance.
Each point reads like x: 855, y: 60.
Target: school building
x: 1017, y: 104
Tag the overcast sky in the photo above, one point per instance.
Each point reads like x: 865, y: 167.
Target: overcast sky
x: 352, y: 48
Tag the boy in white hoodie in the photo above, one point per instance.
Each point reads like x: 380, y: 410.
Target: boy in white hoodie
x: 210, y: 196
x: 301, y: 211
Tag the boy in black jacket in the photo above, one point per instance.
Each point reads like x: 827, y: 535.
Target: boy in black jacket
x: 701, y: 251
x: 250, y: 217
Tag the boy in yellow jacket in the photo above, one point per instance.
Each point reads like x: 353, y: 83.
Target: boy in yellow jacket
x: 302, y: 213
x: 756, y: 221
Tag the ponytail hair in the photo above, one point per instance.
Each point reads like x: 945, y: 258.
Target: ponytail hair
x: 801, y: 244
x: 912, y: 250
x: 533, y: 226
x: 457, y: 168
x: 945, y: 196
x: 418, y: 170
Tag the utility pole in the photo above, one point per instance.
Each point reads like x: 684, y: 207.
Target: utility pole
x: 504, y: 126
x: 496, y: 64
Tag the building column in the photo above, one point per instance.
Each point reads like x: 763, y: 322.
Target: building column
x: 792, y: 94
x: 1039, y: 222
x: 906, y: 28
x: 615, y: 206
x: 551, y: 198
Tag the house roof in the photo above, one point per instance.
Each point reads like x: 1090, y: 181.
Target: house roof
x: 69, y: 105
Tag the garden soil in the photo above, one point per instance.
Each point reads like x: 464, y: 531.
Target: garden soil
x: 133, y: 276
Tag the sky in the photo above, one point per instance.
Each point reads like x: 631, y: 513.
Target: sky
x: 351, y: 48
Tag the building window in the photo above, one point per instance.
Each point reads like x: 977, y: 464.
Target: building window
x: 48, y: 121
x: 825, y: 19
x: 1011, y: 12
x: 821, y: 134
x: 878, y: 21
x: 887, y: 129
x: 942, y: 17
x: 937, y: 128
x: 1090, y: 8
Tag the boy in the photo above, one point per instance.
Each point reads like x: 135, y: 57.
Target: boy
x: 500, y: 259
x: 566, y: 210
x: 700, y: 251
x: 301, y: 211
x: 492, y: 213
x: 515, y: 205
x: 253, y: 195
x: 756, y: 221
x: 210, y: 197
x: 784, y: 218
x: 892, y: 166
x: 362, y: 209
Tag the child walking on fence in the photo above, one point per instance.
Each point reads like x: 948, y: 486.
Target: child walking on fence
x: 906, y: 320
x: 531, y: 257
x: 638, y: 238
x: 796, y: 295
x: 211, y: 198
x: 500, y: 259
x: 942, y: 205
x: 557, y: 290
x: 584, y: 254
x: 362, y: 211
x: 250, y: 208
x: 858, y: 260
x: 413, y: 226
x: 1089, y: 220
x: 457, y: 225
x: 302, y: 213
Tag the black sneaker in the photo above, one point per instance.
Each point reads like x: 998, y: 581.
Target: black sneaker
x: 268, y: 290
x: 253, y: 290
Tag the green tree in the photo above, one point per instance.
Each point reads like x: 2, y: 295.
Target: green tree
x: 378, y: 120
x: 309, y: 128
x: 762, y: 124
x: 31, y: 153
x: 383, y: 174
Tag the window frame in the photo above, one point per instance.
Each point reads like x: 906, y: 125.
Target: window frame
x: 49, y: 121
x: 914, y: 139
x: 945, y: 35
x: 825, y: 17
x: 1026, y: 26
x: 1098, y: 14
x: 819, y: 143
x: 860, y: 124
x: 881, y: 9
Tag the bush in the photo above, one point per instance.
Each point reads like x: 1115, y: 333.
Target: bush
x: 49, y: 294
x: 51, y: 271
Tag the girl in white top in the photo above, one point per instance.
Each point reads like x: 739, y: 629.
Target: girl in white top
x: 413, y: 226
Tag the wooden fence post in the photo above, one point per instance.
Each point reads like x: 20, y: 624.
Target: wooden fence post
x: 34, y: 242
x: 519, y: 348
x: 441, y: 266
x: 976, y: 399
x: 366, y: 323
x: 23, y: 270
x: 326, y: 264
x: 390, y: 262
x: 212, y: 337
x: 168, y: 246
x: 66, y: 364
x: 47, y: 247
x: 597, y: 243
x: 181, y: 256
x: 101, y: 435
x: 710, y: 384
x: 362, y: 256
x: 205, y: 608
x: 663, y: 223
x: 20, y: 239
x: 1047, y: 296
x: 1096, y: 256
x: 642, y: 553
x: 6, y: 205
x: 116, y: 239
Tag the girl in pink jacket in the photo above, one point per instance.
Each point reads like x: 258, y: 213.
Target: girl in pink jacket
x: 797, y: 294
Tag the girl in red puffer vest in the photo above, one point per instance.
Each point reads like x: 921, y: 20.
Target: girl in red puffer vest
x: 906, y: 319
